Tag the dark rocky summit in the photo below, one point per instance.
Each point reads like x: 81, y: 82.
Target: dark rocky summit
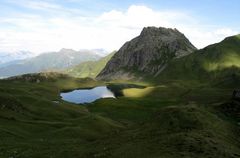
x: 148, y: 53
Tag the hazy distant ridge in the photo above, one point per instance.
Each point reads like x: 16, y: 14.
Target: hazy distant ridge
x: 49, y: 61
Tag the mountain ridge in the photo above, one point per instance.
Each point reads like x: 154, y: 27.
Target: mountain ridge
x: 48, y: 61
x: 216, y: 62
x: 148, y: 53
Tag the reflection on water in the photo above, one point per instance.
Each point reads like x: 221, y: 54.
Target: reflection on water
x: 87, y: 95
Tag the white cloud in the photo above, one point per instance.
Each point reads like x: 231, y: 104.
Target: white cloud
x: 225, y: 32
x: 110, y: 30
x: 46, y: 7
x: 202, y: 36
x: 40, y: 5
x: 141, y: 16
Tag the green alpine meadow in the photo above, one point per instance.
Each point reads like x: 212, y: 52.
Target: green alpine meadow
x: 159, y: 95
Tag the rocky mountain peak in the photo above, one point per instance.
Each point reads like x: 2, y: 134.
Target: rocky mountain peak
x: 155, y: 31
x: 149, y: 53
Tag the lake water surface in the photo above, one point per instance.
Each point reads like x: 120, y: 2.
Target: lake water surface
x: 87, y: 95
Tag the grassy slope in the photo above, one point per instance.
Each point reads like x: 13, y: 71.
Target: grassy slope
x: 165, y: 120
x: 32, y: 125
x: 89, y: 69
x: 218, y: 62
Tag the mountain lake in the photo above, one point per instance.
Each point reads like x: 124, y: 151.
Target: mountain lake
x: 82, y: 96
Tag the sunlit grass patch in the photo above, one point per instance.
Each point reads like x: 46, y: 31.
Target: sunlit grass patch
x: 238, y: 36
x: 136, y: 92
x: 227, y: 61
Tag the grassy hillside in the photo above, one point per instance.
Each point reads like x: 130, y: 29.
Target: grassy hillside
x: 89, y: 68
x: 218, y: 62
x: 172, y: 120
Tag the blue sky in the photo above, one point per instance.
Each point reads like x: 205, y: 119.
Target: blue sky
x: 48, y: 25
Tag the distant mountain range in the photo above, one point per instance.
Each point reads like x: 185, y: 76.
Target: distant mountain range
x: 47, y: 61
x: 7, y: 58
x: 161, y: 53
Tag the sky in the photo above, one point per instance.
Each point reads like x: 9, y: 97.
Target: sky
x: 49, y: 25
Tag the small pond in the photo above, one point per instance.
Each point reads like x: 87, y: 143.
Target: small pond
x: 81, y: 96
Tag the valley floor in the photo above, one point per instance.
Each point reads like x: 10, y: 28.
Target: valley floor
x: 168, y: 120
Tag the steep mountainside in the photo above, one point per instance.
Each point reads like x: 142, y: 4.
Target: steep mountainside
x: 49, y: 61
x: 220, y: 61
x: 148, y: 53
x: 88, y: 68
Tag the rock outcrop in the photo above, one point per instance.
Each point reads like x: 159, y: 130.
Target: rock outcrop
x: 148, y: 53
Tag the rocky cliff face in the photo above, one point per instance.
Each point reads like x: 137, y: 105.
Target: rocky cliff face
x: 148, y: 53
